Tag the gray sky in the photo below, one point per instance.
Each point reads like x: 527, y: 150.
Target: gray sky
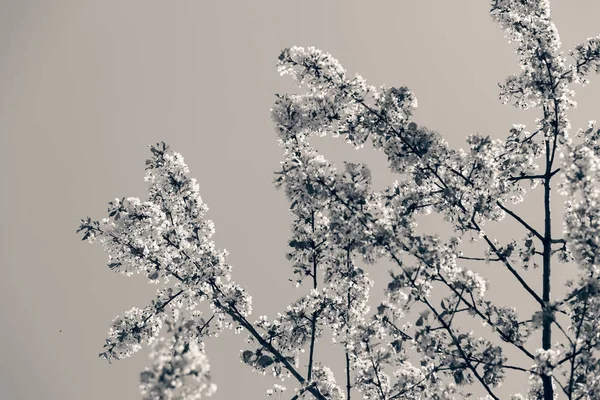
x: 85, y: 86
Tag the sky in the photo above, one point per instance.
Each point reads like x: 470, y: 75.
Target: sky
x: 86, y: 86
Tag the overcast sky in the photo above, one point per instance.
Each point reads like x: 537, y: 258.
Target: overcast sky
x: 86, y: 85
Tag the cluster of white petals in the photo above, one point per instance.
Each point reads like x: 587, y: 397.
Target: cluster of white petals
x: 180, y: 370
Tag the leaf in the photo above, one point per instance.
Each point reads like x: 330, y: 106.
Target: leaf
x: 419, y: 321
x: 247, y: 356
x: 264, y: 361
x: 459, y: 376
x: 105, y: 356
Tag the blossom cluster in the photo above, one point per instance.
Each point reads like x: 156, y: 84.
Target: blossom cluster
x: 180, y: 370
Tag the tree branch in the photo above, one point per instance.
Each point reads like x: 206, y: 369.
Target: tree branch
x: 525, y: 224
x: 313, y: 322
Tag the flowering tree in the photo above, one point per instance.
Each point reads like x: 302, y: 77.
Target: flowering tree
x: 340, y: 222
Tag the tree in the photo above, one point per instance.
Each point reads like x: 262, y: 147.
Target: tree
x: 340, y: 222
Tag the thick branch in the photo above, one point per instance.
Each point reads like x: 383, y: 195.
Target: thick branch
x: 313, y: 322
